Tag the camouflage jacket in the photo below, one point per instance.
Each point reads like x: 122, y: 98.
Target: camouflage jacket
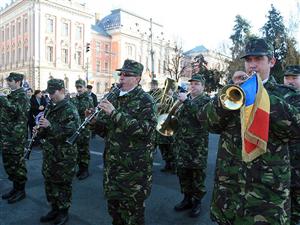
x: 191, y: 137
x: 128, y: 147
x: 15, y: 108
x: 59, y: 158
x: 294, y: 144
x: 251, y: 190
x: 83, y: 102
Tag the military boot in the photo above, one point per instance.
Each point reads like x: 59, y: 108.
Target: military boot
x: 196, y: 209
x: 62, y: 217
x: 50, y: 216
x: 18, y: 195
x: 9, y: 194
x: 83, y: 173
x: 185, y: 204
x: 167, y: 167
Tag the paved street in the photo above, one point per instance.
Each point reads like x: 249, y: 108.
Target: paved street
x: 89, y: 204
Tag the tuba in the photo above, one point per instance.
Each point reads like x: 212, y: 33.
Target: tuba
x: 5, y: 91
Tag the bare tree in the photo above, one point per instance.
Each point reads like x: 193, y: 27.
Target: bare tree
x: 174, y: 66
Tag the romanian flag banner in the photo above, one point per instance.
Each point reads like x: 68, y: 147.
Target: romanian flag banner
x: 255, y: 115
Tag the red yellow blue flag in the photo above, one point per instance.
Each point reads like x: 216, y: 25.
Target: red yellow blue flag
x: 255, y: 115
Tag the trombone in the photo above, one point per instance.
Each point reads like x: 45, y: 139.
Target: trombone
x: 5, y: 91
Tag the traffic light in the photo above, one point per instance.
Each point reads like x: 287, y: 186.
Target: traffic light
x: 87, y: 47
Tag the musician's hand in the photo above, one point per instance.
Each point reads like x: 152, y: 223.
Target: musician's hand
x: 106, y: 106
x: 239, y: 77
x: 41, y: 107
x: 88, y: 112
x: 35, y: 129
x: 44, y: 123
x: 182, y: 96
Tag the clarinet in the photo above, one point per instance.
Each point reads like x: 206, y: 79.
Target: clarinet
x: 28, y: 147
x: 71, y: 140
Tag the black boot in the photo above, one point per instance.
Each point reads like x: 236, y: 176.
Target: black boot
x: 83, y: 173
x: 50, y: 216
x: 9, y: 194
x: 18, y: 195
x: 196, y: 209
x: 185, y: 204
x: 62, y: 217
x: 167, y: 167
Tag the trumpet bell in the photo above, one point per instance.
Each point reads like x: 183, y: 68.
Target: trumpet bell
x: 166, y: 125
x: 232, y: 97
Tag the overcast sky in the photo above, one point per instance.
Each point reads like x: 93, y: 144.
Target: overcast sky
x: 201, y: 22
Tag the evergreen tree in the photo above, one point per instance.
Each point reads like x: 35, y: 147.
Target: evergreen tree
x: 275, y: 33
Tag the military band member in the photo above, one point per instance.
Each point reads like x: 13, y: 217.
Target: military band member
x: 59, y: 158
x: 83, y: 101
x: 15, y: 107
x: 292, y: 78
x: 191, y: 147
x: 253, y: 192
x: 129, y: 121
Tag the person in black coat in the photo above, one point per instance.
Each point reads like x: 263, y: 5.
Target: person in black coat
x: 89, y: 90
x: 37, y: 104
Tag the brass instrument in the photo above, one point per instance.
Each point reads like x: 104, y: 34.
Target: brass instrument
x: 232, y: 97
x: 5, y: 91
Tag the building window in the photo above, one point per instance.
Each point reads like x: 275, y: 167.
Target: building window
x: 7, y: 33
x: 13, y: 56
x: 65, y: 29
x: 49, y: 53
x: 19, y: 27
x: 2, y: 35
x: 78, y: 33
x: 98, y: 47
x: 106, y: 48
x: 129, y: 51
x: 50, y: 25
x: 64, y: 55
x: 98, y: 66
x: 25, y: 53
x: 25, y: 25
x: 106, y: 66
x: 78, y: 57
x: 7, y: 58
x: 19, y: 55
x: 98, y: 87
x: 13, y: 31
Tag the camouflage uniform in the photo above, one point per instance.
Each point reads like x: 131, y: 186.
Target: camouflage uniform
x: 256, y: 192
x: 82, y: 102
x: 15, y: 107
x: 59, y: 158
x: 128, y: 154
x: 294, y: 148
x: 191, y: 146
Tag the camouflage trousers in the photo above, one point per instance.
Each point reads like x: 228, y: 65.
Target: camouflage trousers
x: 295, y: 205
x: 13, y: 162
x: 192, y: 182
x: 167, y: 152
x: 129, y: 212
x: 59, y: 194
x: 83, y: 152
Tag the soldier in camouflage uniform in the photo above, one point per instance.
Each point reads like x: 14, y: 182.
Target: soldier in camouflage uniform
x: 59, y: 158
x: 191, y: 147
x: 292, y: 78
x: 83, y: 101
x: 129, y: 121
x: 255, y: 192
x: 16, y: 108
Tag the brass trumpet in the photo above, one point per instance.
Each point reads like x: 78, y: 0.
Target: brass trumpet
x: 5, y: 91
x: 232, y: 97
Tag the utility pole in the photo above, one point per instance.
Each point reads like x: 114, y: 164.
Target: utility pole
x: 151, y: 51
